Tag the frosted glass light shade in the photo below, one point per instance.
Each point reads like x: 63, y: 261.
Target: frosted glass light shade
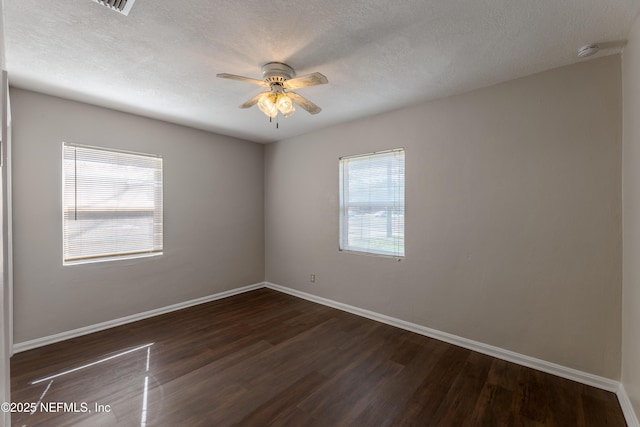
x: 285, y: 105
x: 267, y: 104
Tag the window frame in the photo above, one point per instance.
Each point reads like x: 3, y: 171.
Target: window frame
x: 157, y: 210
x: 344, y: 205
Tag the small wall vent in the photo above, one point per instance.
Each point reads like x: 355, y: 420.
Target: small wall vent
x: 122, y: 6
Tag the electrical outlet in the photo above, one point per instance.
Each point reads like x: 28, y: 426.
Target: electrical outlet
x: 313, y: 278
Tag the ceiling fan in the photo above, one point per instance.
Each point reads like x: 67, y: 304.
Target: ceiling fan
x: 280, y: 79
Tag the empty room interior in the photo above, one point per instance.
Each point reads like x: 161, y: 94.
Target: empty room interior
x: 423, y: 213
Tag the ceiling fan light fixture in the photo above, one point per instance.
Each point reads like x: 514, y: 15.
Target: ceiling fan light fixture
x: 282, y: 81
x: 285, y: 105
x: 267, y: 104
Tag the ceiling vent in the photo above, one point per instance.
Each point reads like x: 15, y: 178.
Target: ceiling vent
x: 122, y: 6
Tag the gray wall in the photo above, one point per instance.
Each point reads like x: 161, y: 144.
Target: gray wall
x: 513, y: 216
x: 213, y: 217
x: 631, y: 215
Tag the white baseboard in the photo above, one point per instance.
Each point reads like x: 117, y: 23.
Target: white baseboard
x: 39, y: 342
x: 500, y: 353
x: 627, y: 408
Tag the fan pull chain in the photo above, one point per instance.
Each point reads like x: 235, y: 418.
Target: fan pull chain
x: 277, y: 121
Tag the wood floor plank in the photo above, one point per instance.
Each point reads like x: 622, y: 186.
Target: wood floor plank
x: 460, y: 401
x: 488, y: 406
x: 264, y: 358
x: 284, y: 403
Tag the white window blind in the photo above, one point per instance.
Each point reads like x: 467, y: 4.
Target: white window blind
x: 112, y: 204
x: 372, y: 203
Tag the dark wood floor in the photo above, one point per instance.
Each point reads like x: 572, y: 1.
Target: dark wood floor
x: 265, y: 358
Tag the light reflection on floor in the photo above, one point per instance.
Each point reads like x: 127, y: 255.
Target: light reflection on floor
x: 143, y: 417
x: 123, y: 368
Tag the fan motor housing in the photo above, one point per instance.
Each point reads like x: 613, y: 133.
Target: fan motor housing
x: 277, y: 72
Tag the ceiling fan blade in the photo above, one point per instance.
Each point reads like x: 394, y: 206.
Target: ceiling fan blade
x: 307, y: 80
x: 243, y: 79
x: 253, y: 101
x: 304, y: 103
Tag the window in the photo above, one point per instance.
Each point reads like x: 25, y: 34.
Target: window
x: 112, y: 204
x: 372, y: 203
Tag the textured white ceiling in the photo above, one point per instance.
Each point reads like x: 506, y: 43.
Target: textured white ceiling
x: 161, y: 60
